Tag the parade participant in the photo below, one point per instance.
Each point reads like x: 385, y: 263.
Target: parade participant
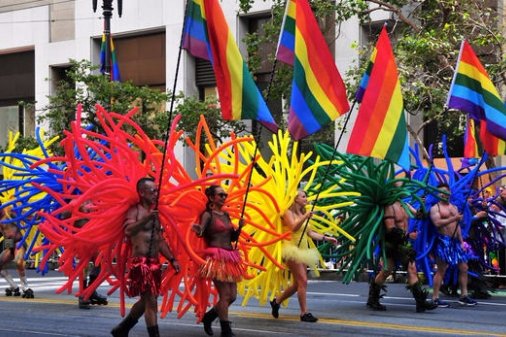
x: 297, y: 257
x: 143, y: 230
x: 92, y: 273
x: 223, y: 263
x: 450, y: 246
x: 398, y: 250
x: 11, y: 252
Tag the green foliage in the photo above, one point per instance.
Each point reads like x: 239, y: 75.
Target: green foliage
x: 88, y: 88
x: 191, y: 108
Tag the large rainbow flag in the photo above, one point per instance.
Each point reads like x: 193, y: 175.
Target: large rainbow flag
x: 380, y: 128
x: 115, y: 75
x: 473, y: 92
x: 318, y: 93
x: 206, y: 35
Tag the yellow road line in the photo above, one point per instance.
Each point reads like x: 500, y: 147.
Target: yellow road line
x: 247, y: 314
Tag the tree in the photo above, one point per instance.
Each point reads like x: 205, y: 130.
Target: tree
x: 191, y: 108
x: 85, y: 86
x: 426, y: 36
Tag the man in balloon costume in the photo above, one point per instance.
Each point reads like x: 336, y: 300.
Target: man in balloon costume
x: 143, y: 229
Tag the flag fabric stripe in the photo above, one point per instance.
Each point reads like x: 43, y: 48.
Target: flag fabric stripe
x: 115, y: 74
x: 318, y: 93
x: 365, y: 78
x: 380, y: 128
x: 473, y: 92
x: 207, y: 35
x: 470, y: 144
x: 195, y: 33
x: 286, y: 45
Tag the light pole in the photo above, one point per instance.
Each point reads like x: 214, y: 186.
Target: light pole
x: 107, y: 13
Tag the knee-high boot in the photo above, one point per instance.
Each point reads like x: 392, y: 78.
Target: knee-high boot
x: 208, y: 319
x: 153, y: 331
x: 122, y: 329
x: 420, y: 296
x: 374, y: 297
x: 226, y: 329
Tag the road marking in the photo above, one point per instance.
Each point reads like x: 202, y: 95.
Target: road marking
x: 332, y: 321
x: 378, y: 325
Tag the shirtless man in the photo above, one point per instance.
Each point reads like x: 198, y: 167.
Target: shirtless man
x: 398, y: 251
x: 449, y: 247
x: 12, y: 236
x: 143, y: 229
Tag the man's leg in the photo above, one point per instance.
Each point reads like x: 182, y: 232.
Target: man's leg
x: 438, y: 280
x: 5, y: 257
x: 463, y: 278
x: 376, y: 286
x: 419, y: 294
x: 122, y: 329
x: 150, y: 314
x: 20, y: 265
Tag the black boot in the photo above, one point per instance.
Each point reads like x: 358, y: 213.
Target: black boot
x: 84, y: 304
x: 374, y: 297
x: 122, y: 329
x: 208, y: 319
x: 153, y: 331
x: 96, y: 298
x: 420, y: 296
x: 226, y: 329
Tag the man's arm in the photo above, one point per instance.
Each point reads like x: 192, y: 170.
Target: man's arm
x: 167, y: 253
x: 435, y: 216
x: 134, y: 226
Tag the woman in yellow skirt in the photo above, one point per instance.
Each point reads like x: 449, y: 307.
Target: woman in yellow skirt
x: 297, y: 256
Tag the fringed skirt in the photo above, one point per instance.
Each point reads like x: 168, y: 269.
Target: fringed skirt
x: 144, y: 276
x: 222, y: 265
x: 309, y: 256
x: 449, y: 250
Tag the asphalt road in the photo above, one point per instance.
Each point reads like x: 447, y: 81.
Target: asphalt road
x: 341, y: 309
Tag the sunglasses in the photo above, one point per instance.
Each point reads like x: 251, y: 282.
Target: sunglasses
x: 222, y: 195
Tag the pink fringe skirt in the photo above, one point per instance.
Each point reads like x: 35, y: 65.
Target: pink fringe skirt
x: 222, y: 265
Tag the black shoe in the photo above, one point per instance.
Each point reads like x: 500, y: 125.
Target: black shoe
x: 28, y: 293
x: 208, y: 319
x: 97, y: 299
x: 308, y: 317
x: 83, y: 304
x: 275, y: 308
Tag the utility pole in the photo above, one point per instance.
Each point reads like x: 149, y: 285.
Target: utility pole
x: 107, y: 13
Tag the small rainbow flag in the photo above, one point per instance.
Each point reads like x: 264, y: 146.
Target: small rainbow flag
x: 492, y: 145
x: 206, y: 35
x: 470, y: 143
x: 380, y: 128
x: 318, y: 92
x: 473, y: 92
x: 115, y: 75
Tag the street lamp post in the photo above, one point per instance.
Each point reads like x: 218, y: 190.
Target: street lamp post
x: 107, y: 13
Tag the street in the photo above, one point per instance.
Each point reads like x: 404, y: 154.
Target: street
x: 341, y: 309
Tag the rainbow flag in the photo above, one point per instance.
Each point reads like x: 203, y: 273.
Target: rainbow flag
x: 365, y: 78
x: 492, y: 145
x: 115, y: 75
x: 470, y: 143
x: 318, y: 93
x: 380, y: 128
x: 206, y: 35
x: 473, y: 92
